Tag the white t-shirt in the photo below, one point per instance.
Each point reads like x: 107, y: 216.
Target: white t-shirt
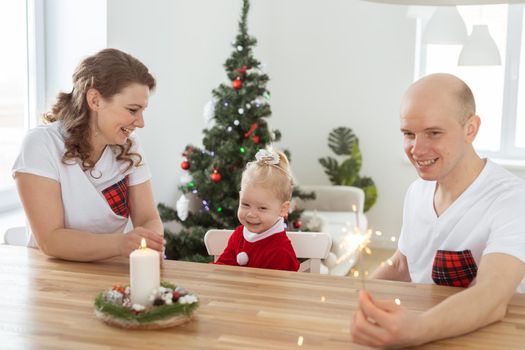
x: 489, y: 217
x: 94, y: 201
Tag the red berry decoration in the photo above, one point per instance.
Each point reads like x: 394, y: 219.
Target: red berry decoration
x: 237, y: 84
x: 242, y: 70
x: 216, y: 176
x: 256, y: 139
x: 185, y: 165
x: 297, y: 224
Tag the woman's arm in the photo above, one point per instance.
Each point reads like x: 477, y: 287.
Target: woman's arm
x: 42, y: 201
x: 143, y: 209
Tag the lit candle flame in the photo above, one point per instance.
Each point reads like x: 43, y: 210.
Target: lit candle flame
x: 300, y: 341
x: 143, y: 244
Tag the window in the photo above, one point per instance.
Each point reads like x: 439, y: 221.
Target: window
x: 499, y: 90
x: 18, y: 71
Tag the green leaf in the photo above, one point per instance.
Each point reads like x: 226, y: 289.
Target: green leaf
x: 331, y: 169
x: 340, y: 140
x: 369, y: 187
x: 349, y: 171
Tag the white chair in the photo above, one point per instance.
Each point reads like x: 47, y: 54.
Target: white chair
x: 332, y: 211
x: 16, y: 236
x: 313, y: 246
x: 333, y: 198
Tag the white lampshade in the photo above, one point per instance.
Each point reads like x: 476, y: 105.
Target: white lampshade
x: 480, y: 49
x: 445, y: 27
x: 447, y: 2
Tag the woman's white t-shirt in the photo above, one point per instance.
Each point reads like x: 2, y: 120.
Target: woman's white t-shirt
x: 94, y: 201
x: 487, y: 218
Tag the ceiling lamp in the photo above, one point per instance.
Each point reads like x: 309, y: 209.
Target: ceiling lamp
x: 480, y: 49
x: 447, y: 2
x: 445, y: 27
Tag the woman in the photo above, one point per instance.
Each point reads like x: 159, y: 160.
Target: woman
x: 82, y: 175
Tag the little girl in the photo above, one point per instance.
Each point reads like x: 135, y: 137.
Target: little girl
x: 261, y: 241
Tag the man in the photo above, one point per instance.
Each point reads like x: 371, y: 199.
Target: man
x: 463, y: 224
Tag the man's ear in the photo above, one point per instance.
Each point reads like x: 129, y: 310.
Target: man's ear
x: 472, y: 127
x: 93, y: 99
x: 284, y: 209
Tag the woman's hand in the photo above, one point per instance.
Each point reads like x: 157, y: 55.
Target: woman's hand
x: 131, y: 241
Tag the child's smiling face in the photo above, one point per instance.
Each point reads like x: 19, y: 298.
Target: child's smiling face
x: 260, y: 208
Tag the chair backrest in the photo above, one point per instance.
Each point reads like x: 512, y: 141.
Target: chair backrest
x: 313, y: 246
x: 333, y: 198
x: 16, y: 236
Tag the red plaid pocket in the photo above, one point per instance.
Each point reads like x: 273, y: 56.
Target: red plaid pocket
x: 117, y: 197
x: 456, y: 269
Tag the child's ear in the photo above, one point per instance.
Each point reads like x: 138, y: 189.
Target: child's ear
x: 284, y: 208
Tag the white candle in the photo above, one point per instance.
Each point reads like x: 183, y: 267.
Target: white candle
x: 144, y: 269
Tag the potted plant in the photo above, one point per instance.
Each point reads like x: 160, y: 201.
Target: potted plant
x: 343, y: 142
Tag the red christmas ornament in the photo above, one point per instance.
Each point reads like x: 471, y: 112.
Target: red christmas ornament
x: 297, y: 224
x: 216, y: 176
x: 185, y: 165
x: 237, y: 84
x: 256, y: 139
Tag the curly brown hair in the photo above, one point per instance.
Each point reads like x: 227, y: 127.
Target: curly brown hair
x: 109, y: 71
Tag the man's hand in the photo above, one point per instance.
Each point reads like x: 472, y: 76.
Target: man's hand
x: 381, y: 323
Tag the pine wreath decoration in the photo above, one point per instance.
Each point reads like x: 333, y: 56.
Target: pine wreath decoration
x: 172, y: 306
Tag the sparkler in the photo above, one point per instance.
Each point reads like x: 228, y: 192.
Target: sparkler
x: 353, y: 245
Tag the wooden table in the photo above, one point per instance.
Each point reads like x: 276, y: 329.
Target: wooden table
x: 47, y: 303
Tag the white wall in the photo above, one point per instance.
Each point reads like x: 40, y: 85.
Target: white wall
x: 331, y: 63
x: 73, y: 30
x: 336, y: 63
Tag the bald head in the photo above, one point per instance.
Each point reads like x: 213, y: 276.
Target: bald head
x: 445, y: 87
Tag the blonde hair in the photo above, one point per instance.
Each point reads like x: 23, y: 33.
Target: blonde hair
x: 109, y: 72
x: 277, y: 177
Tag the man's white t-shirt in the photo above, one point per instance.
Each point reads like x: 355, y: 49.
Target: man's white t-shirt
x: 489, y: 217
x: 94, y: 201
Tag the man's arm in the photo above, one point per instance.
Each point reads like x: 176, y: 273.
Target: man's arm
x: 472, y: 308
x: 398, y: 271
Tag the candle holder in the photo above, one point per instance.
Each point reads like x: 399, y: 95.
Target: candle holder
x: 170, y: 306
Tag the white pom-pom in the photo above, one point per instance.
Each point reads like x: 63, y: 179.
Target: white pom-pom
x: 242, y: 258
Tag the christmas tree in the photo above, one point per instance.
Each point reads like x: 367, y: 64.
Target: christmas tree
x: 213, y: 173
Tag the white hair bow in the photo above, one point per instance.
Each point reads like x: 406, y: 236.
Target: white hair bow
x: 268, y: 157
